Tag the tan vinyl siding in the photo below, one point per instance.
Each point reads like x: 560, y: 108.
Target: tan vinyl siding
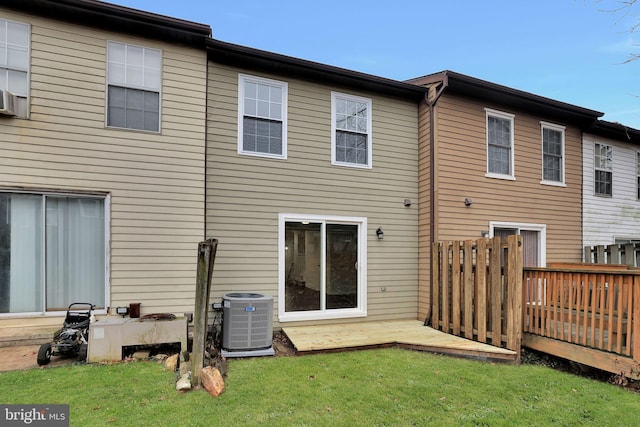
x: 424, y: 188
x: 245, y: 194
x: 461, y: 168
x: 155, y: 180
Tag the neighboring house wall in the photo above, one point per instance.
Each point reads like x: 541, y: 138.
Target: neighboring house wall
x: 424, y: 231
x: 152, y: 182
x: 247, y: 194
x: 461, y: 168
x: 615, y: 217
x: 552, y: 211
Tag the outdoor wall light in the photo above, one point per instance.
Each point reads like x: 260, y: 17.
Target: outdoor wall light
x: 123, y: 311
x: 468, y: 201
x: 484, y: 233
x: 380, y: 233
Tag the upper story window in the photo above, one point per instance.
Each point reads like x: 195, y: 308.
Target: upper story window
x: 638, y: 175
x: 14, y: 66
x: 500, y: 145
x: 134, y: 80
x: 552, y: 154
x: 350, y: 130
x: 603, y: 170
x: 262, y: 117
x: 14, y: 57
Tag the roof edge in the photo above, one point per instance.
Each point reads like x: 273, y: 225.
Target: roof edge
x: 116, y: 18
x: 485, y: 90
x: 237, y: 55
x: 616, y: 131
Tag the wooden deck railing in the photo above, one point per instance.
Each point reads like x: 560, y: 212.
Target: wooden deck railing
x: 591, y: 307
x: 587, y: 313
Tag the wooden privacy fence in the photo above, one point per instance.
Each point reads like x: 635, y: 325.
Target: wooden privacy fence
x: 627, y: 254
x: 477, y: 290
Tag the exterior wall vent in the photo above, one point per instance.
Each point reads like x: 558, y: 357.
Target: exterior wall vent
x: 247, y: 324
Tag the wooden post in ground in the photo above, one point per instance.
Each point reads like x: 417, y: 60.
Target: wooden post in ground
x: 206, y: 258
x: 514, y: 294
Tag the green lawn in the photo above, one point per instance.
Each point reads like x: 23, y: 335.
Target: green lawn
x: 387, y: 387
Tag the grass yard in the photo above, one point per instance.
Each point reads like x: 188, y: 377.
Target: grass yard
x: 386, y: 387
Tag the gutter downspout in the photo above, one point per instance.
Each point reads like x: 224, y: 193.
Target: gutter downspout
x: 431, y: 103
x: 206, y: 137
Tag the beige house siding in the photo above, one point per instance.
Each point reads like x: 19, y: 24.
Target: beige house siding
x: 155, y: 180
x: 245, y: 194
x: 424, y: 188
x: 461, y: 168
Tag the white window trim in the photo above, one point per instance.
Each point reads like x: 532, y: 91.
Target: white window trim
x: 107, y: 84
x: 560, y: 129
x: 596, y: 168
x: 615, y: 239
x: 541, y: 228
x: 27, y: 98
x: 334, y: 162
x: 361, y: 309
x: 511, y: 118
x: 242, y: 78
x: 107, y: 252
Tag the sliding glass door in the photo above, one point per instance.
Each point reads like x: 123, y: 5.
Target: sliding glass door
x: 321, y: 267
x: 52, y: 252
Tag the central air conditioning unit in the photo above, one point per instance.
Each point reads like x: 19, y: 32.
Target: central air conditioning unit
x: 8, y: 103
x: 247, y: 325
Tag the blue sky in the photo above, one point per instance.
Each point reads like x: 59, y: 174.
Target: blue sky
x: 570, y: 50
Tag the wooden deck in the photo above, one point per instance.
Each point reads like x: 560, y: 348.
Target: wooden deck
x: 410, y: 334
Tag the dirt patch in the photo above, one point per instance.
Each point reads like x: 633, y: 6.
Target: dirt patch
x: 283, y: 345
x: 533, y: 357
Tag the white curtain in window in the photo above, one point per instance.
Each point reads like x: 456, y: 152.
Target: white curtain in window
x: 26, y: 254
x: 75, y: 251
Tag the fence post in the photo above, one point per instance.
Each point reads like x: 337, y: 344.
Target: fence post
x: 435, y: 284
x: 206, y: 258
x: 444, y: 281
x: 468, y: 288
x: 635, y: 297
x: 495, y: 294
x: 514, y: 292
x: 456, y: 286
x: 629, y: 254
x: 481, y: 281
x: 614, y: 254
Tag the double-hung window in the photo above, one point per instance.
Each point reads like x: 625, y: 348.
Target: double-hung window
x: 552, y: 154
x: 14, y: 61
x: 500, y: 145
x: 350, y: 130
x: 603, y: 170
x: 262, y: 117
x: 134, y: 81
x: 52, y: 251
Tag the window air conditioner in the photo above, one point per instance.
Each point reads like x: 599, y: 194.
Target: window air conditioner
x: 8, y: 103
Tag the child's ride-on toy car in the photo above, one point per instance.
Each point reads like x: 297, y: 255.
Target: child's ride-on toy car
x: 71, y: 340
